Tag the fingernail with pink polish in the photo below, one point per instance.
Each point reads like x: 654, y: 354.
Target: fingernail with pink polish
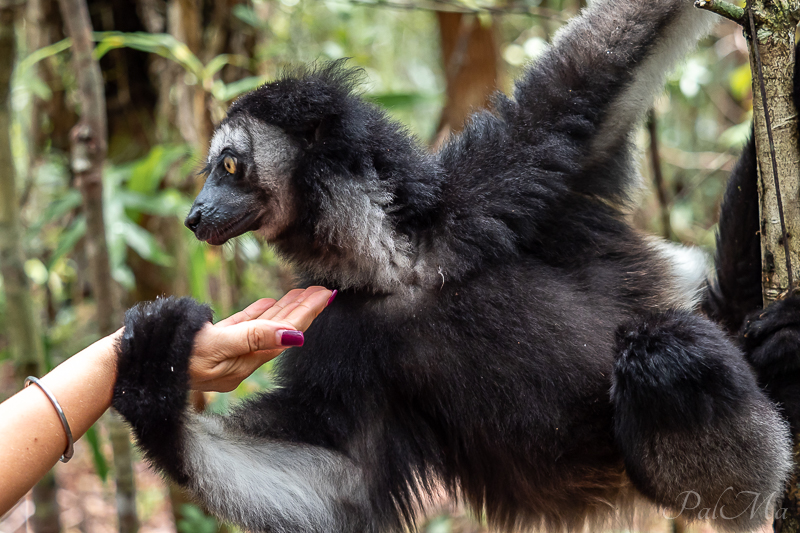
x: 291, y: 338
x: 333, y: 295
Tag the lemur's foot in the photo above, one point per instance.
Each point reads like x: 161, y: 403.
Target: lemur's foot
x: 771, y: 338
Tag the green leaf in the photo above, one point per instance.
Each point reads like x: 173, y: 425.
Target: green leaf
x: 196, y: 521
x: 162, y: 44
x: 736, y: 136
x: 215, y: 65
x: 147, y: 173
x: 68, y: 240
x: 247, y: 15
x: 123, y: 275
x: 99, y: 460
x: 226, y: 92
x: 396, y: 100
x: 43, y: 53
x: 198, y: 272
x: 163, y: 204
x: 740, y: 82
x: 116, y: 226
x: 38, y: 87
x: 145, y: 244
x: 36, y: 271
x: 440, y: 524
x: 65, y: 203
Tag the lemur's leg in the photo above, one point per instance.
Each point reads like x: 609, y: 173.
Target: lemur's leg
x: 587, y: 93
x: 694, y: 428
x: 262, y: 484
x: 735, y: 291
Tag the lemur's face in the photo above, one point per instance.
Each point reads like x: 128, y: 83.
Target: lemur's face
x: 248, y: 185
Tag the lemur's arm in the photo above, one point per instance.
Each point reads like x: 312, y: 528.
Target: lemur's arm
x: 587, y: 92
x: 261, y: 483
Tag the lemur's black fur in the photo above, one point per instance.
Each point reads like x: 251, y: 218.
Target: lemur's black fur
x: 502, y: 336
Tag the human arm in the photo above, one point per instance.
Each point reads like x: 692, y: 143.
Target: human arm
x: 225, y: 353
x: 31, y: 431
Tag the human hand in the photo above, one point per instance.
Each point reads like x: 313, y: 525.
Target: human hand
x: 227, y: 352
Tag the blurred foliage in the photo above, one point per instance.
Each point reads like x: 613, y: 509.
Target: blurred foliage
x: 151, y: 179
x: 196, y: 521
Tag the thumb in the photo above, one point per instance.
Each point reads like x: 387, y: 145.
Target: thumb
x: 257, y: 335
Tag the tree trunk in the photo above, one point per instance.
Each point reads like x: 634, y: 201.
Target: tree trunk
x: 776, y: 29
x: 88, y: 153
x: 46, y: 517
x: 44, y: 27
x: 469, y: 53
x: 23, y: 331
x: 184, y: 21
x: 772, y: 60
x: 658, y: 175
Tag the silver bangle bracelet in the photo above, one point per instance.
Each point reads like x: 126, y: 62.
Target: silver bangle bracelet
x: 69, y: 452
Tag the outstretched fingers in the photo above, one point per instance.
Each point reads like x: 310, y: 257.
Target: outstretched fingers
x: 294, y: 298
x: 302, y: 308
x: 252, y: 311
x: 232, y: 349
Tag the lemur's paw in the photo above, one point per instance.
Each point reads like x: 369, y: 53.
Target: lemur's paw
x: 771, y: 338
x: 153, y: 357
x: 675, y: 370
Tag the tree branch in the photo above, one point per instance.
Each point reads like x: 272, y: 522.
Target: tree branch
x: 518, y: 8
x: 723, y: 9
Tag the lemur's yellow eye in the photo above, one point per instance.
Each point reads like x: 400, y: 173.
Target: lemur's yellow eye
x: 230, y: 164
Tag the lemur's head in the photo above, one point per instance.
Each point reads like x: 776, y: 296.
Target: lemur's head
x: 248, y: 183
x: 317, y: 171
x: 256, y: 153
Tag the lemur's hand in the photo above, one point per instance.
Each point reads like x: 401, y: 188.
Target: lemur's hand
x: 771, y: 339
x: 227, y: 352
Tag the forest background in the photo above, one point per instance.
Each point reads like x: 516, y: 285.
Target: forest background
x: 170, y: 68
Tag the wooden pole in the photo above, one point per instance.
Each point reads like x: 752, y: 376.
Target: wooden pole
x: 88, y: 154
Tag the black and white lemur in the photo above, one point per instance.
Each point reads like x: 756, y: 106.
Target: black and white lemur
x: 502, y: 335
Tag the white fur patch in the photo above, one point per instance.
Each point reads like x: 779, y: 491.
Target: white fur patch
x: 271, y: 486
x: 355, y: 220
x: 232, y: 135
x: 689, y: 269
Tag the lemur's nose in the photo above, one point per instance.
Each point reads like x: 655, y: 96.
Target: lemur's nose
x: 193, y: 220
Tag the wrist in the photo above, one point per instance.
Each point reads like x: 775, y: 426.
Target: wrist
x: 83, y: 384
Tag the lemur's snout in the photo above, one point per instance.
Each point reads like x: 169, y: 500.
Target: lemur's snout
x: 193, y: 218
